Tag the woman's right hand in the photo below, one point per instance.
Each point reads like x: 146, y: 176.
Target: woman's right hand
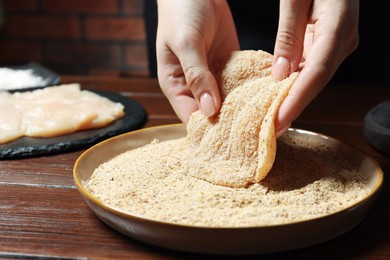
x: 194, y: 40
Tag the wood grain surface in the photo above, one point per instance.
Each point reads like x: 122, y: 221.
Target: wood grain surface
x: 42, y: 215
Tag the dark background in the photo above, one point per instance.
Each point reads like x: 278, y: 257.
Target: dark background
x: 257, y: 21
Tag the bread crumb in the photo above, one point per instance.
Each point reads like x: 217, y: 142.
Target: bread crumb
x: 308, y: 180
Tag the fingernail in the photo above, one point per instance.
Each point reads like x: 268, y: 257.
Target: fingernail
x: 207, y: 105
x: 281, y: 68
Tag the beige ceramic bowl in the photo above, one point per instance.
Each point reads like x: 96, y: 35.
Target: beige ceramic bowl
x: 248, y: 240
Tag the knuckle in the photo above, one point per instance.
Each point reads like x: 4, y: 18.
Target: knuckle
x: 194, y: 78
x: 350, y: 42
x: 355, y: 41
x: 183, y: 42
x: 287, y: 39
x: 188, y: 39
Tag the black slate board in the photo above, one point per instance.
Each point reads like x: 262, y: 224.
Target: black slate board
x: 377, y: 127
x: 135, y: 117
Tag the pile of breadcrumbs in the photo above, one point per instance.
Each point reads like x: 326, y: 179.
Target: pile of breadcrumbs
x: 308, y: 180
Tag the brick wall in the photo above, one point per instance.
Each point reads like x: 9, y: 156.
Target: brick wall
x: 98, y: 37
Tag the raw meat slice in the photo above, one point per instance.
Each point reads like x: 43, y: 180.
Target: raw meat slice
x: 54, y: 111
x: 10, y: 119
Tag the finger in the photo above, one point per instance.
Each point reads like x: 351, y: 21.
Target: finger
x: 330, y: 46
x: 184, y: 106
x: 293, y: 15
x: 297, y: 99
x: 173, y: 84
x: 320, y: 66
x: 199, y: 78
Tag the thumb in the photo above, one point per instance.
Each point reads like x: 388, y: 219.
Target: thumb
x: 200, y: 80
x: 293, y: 15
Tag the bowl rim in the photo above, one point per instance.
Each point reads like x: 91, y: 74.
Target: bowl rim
x: 139, y: 218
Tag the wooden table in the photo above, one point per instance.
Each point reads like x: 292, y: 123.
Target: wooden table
x: 42, y: 215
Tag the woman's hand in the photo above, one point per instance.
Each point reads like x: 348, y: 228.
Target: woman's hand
x: 314, y: 37
x: 194, y: 40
